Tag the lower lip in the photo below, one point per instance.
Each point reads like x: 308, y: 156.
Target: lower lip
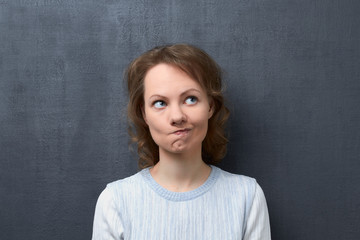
x: 181, y: 133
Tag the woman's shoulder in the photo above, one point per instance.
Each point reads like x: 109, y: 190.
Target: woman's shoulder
x: 127, y: 186
x: 119, y: 192
x: 237, y: 182
x: 124, y: 184
x: 234, y: 177
x: 126, y: 180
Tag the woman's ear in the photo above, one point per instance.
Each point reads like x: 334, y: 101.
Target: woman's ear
x: 211, y: 109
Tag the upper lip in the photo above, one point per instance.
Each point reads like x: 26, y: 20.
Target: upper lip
x: 181, y: 130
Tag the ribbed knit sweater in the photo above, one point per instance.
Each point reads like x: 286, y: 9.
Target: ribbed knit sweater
x: 226, y: 207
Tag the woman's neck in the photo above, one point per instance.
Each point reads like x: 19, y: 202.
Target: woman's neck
x: 180, y: 173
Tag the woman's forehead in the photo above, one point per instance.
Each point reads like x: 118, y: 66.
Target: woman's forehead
x: 165, y: 77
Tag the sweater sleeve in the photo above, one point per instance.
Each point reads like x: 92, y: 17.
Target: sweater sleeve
x: 258, y: 224
x: 107, y: 222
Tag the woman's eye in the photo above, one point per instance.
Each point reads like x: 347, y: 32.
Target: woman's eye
x: 159, y: 104
x: 191, y: 100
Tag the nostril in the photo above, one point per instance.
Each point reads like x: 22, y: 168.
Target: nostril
x: 177, y: 116
x: 178, y: 121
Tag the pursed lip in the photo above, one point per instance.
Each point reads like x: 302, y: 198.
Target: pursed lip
x: 181, y: 131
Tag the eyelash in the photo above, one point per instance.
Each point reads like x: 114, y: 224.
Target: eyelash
x: 163, y: 102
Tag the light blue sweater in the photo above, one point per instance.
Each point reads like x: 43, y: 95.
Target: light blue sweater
x: 227, y: 206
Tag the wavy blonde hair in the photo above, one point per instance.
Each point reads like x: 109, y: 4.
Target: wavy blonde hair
x: 198, y: 65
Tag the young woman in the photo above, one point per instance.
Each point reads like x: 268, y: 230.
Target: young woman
x: 177, y: 115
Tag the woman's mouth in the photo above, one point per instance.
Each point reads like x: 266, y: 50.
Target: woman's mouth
x: 181, y: 132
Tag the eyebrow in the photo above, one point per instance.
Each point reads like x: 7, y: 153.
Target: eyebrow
x: 182, y: 94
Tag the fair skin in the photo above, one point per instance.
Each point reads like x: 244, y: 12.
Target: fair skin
x: 177, y: 110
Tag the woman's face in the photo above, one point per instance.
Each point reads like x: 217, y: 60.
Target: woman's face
x: 176, y: 109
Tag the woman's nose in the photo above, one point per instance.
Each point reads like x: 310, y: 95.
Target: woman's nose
x: 177, y: 116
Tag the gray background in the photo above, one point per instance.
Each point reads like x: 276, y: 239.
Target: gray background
x: 292, y: 71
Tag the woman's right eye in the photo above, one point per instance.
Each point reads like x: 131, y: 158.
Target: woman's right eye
x: 159, y: 104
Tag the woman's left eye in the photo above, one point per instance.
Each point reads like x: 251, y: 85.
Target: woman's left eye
x: 191, y: 100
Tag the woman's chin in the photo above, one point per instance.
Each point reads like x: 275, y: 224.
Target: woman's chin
x: 176, y: 148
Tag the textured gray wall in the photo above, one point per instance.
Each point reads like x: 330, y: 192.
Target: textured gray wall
x: 292, y: 70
